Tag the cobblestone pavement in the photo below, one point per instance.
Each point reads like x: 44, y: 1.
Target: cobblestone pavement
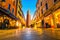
x: 30, y: 34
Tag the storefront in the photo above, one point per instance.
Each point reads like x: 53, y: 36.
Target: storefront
x: 52, y: 20
x: 48, y: 21
x: 7, y: 17
x: 57, y: 18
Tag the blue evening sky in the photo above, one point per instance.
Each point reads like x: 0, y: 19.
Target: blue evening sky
x: 28, y: 4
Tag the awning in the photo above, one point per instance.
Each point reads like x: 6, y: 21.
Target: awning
x: 8, y: 13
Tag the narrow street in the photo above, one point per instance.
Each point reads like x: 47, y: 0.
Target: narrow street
x: 29, y: 19
x: 30, y: 34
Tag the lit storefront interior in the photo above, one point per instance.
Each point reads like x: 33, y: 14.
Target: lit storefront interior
x: 52, y: 20
x: 7, y: 19
x: 49, y: 21
x: 57, y: 18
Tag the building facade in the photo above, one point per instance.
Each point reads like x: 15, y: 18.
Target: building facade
x: 20, y: 14
x: 9, y: 5
x: 47, y: 13
x: 9, y: 8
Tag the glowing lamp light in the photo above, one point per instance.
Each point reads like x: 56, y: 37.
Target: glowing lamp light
x: 17, y: 23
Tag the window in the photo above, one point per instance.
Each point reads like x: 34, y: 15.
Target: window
x: 46, y: 6
x: 19, y: 7
x: 9, y: 6
x: 3, y: 0
x: 13, y: 2
x: 55, y: 0
x: 41, y: 3
x: 42, y: 11
x: 19, y: 13
x: 42, y: 23
x: 13, y: 10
